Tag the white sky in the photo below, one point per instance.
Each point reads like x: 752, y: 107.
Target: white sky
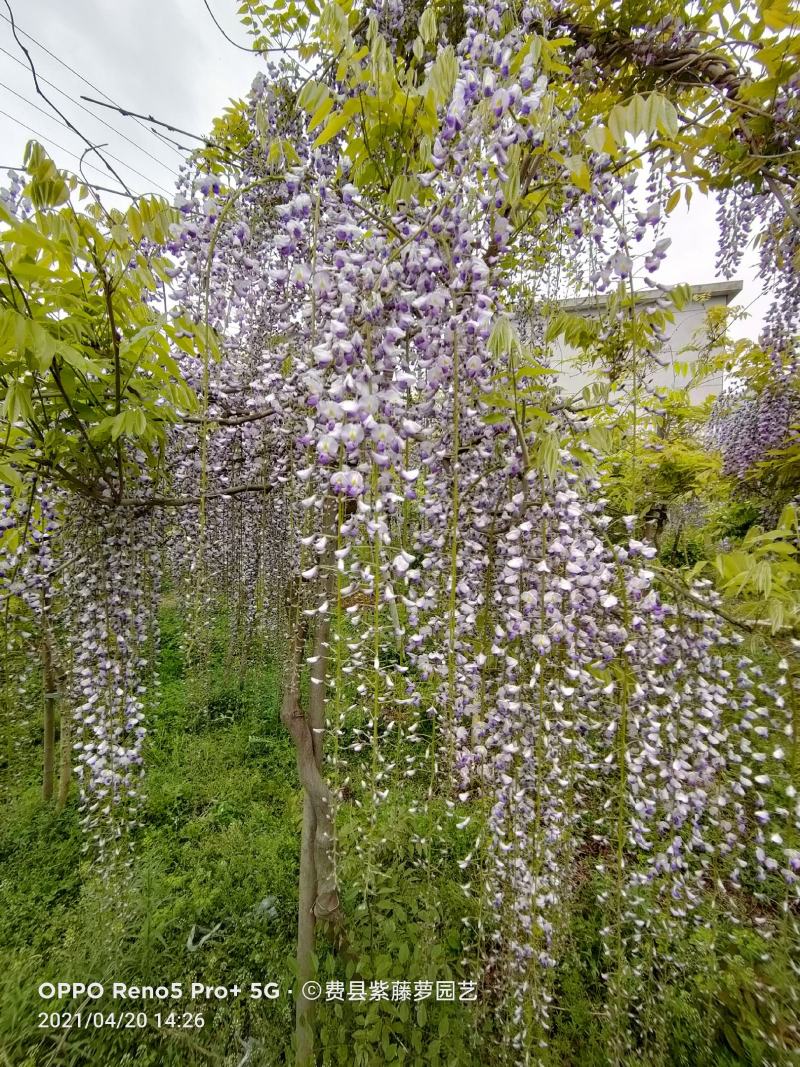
x: 168, y: 59
x: 159, y: 57
x: 691, y: 256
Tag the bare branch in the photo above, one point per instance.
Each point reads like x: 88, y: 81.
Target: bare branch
x: 165, y: 125
x: 187, y: 501
x: 233, y: 420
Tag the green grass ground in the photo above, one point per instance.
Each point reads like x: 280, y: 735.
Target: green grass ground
x: 213, y: 898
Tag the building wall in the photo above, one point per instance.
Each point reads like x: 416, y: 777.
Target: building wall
x: 684, y: 333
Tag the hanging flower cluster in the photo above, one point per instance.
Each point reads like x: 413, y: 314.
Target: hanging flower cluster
x: 110, y: 607
x: 745, y: 429
x: 30, y: 569
x: 354, y: 396
x: 741, y: 212
x: 88, y: 578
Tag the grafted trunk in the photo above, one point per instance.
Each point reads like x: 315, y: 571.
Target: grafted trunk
x: 307, y: 732
x: 318, y: 896
x: 318, y: 892
x: 306, y: 927
x: 65, y: 762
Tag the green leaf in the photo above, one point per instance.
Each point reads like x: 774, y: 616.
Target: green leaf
x: 47, y: 188
x: 117, y: 425
x: 617, y: 123
x: 580, y: 172
x: 442, y: 75
x: 599, y: 139
x: 18, y: 402
x: 44, y: 345
x: 780, y: 15
x: 533, y: 370
x: 641, y: 114
x: 763, y: 577
x: 697, y: 569
x: 321, y: 113
x: 134, y: 221
x: 504, y: 336
x: 74, y: 358
x: 8, y: 476
x: 334, y: 126
x: 311, y: 95
x: 667, y: 117
x: 548, y: 454
x: 427, y: 25
x: 776, y: 615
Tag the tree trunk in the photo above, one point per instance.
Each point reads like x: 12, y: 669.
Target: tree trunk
x: 318, y: 893
x: 306, y: 928
x: 65, y: 768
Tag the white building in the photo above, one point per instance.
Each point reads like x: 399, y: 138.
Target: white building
x: 685, y: 336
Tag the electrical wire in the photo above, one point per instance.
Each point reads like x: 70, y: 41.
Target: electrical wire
x: 91, y: 145
x: 83, y: 107
x: 55, y: 144
x: 77, y: 74
x: 83, y: 162
x: 110, y: 155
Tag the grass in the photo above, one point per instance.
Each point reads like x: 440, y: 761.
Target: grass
x: 213, y: 898
x: 218, y: 840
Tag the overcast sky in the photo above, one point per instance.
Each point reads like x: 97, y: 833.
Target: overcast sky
x: 159, y: 57
x: 168, y: 59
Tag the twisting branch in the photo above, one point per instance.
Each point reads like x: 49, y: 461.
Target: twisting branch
x: 186, y: 501
x: 758, y: 627
x: 165, y: 125
x: 777, y: 192
x: 665, y: 62
x: 233, y: 420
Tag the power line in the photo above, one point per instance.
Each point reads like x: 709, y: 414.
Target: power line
x: 77, y: 74
x: 241, y: 47
x: 60, y: 147
x: 112, y: 103
x: 119, y: 133
x: 40, y: 92
x: 81, y: 160
x: 110, y: 155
